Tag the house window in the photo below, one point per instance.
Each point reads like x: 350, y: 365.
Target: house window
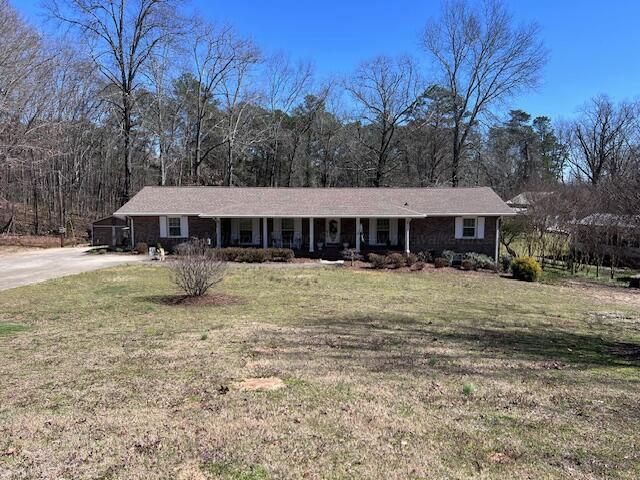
x: 173, y: 224
x: 246, y: 231
x: 288, y: 231
x: 468, y: 228
x: 382, y: 231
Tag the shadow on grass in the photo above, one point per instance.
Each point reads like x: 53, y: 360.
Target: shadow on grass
x: 208, y: 300
x: 401, y: 343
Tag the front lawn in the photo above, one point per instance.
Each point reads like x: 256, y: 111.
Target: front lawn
x: 387, y: 375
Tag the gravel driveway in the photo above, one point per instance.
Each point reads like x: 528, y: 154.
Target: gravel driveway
x: 36, y: 266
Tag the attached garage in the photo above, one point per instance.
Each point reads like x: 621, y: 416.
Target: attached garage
x: 111, y: 231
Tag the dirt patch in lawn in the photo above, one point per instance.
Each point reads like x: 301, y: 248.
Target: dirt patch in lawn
x: 209, y: 300
x: 268, y: 383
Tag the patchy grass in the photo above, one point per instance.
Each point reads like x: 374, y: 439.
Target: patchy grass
x: 7, y: 329
x: 108, y: 382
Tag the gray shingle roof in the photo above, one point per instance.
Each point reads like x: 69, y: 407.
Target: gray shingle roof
x: 314, y: 202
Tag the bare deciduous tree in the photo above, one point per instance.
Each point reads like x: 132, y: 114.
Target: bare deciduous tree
x: 601, y: 139
x: 482, y: 58
x: 123, y: 36
x: 386, y: 92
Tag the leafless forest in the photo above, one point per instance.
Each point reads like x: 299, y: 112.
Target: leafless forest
x: 132, y: 93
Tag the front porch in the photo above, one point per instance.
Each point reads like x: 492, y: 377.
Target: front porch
x: 314, y: 236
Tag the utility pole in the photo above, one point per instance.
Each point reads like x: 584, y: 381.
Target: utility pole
x: 60, y: 202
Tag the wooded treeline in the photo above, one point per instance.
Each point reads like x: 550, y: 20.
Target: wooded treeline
x: 134, y: 94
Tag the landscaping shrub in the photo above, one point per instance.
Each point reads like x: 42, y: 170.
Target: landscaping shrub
x: 479, y: 260
x: 197, y: 268
x: 468, y: 264
x: 254, y: 255
x: 526, y: 268
x: 280, y: 254
x: 425, y: 257
x: 377, y: 261
x: 505, y: 263
x: 410, y: 259
x: 395, y: 260
x: 416, y: 267
x: 142, y: 248
x: 448, y: 255
x: 251, y: 255
x: 440, y: 262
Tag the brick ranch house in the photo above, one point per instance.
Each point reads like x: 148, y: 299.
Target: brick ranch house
x: 317, y: 221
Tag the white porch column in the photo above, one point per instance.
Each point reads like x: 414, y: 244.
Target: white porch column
x: 406, y: 235
x: 265, y: 240
x: 498, y: 220
x: 311, y: 239
x: 218, y: 233
x: 358, y: 229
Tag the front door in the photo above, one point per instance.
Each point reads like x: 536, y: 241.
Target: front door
x: 332, y: 234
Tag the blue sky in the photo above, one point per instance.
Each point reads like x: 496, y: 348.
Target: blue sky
x: 594, y: 45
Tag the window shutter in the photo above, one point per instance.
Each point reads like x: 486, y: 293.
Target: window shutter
x: 297, y: 227
x: 184, y: 227
x: 393, y: 231
x: 277, y: 226
x: 255, y: 231
x: 458, y: 227
x: 235, y: 230
x: 480, y: 227
x: 163, y: 227
x: 373, y: 230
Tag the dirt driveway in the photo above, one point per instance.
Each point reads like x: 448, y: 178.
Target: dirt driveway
x: 36, y: 266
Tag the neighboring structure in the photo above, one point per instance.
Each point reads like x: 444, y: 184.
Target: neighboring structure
x: 523, y: 201
x: 111, y: 231
x: 314, y: 220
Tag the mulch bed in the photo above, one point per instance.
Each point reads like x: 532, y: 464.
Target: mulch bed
x: 209, y: 300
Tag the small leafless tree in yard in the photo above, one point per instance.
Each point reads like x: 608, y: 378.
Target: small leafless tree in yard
x: 196, y: 268
x: 482, y: 59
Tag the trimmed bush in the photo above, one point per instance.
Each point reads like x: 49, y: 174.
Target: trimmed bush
x: 416, y: 267
x: 425, y: 257
x: 280, y: 254
x: 395, y: 260
x: 142, y: 248
x: 479, y: 260
x: 251, y: 255
x: 448, y: 255
x: 440, y: 262
x: 468, y: 264
x: 254, y: 255
x: 526, y: 269
x: 377, y: 261
x: 410, y: 258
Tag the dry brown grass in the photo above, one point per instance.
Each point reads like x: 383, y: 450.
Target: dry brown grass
x: 37, y: 241
x: 107, y: 382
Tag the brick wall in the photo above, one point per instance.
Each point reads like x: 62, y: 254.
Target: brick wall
x: 426, y: 234
x: 438, y: 233
x: 147, y: 230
